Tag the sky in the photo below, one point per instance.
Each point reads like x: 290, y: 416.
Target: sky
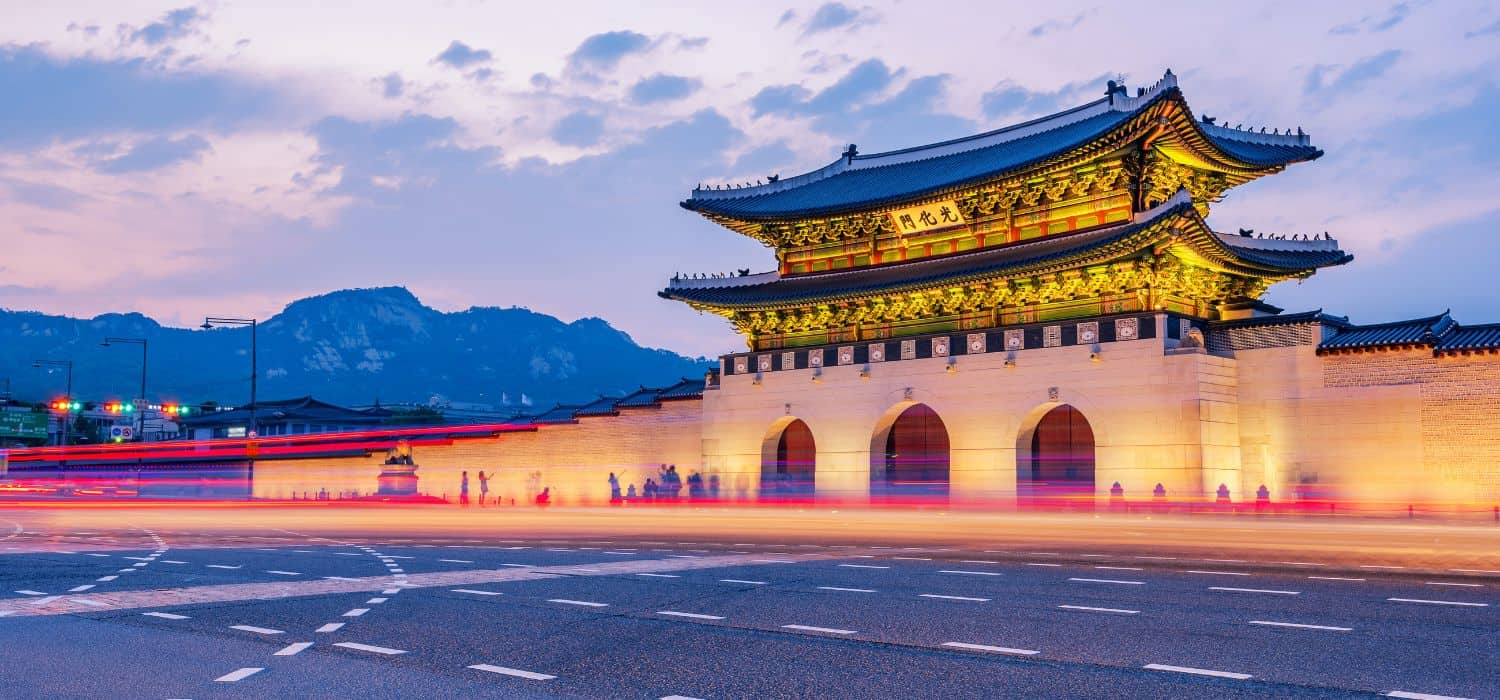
x: 227, y: 158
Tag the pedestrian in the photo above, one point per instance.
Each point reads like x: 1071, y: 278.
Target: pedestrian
x: 545, y: 496
x: 614, y: 488
x: 463, y: 488
x: 649, y: 489
x: 484, y: 487
x: 630, y: 492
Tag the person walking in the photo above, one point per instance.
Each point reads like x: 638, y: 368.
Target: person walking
x: 484, y: 487
x: 614, y: 488
x: 463, y: 488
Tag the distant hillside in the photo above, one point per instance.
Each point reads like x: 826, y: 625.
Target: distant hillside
x: 348, y: 347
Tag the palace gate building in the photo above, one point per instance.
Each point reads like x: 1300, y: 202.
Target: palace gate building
x: 1031, y: 312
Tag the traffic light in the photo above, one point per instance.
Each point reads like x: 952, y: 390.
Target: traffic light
x: 66, y: 405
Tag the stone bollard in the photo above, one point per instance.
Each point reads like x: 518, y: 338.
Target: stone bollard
x: 1117, y: 496
x: 1222, y: 496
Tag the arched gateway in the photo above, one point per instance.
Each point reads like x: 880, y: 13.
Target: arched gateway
x: 1055, y: 459
x: 909, y: 456
x: 788, y: 461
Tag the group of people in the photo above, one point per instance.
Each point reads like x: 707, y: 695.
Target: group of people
x: 666, y: 486
x: 543, y: 498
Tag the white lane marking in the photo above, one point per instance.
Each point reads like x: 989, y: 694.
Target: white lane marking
x: 44, y: 601
x: 826, y: 630
x: 370, y: 648
x: 863, y: 566
x: 1451, y: 583
x: 740, y: 580
x: 141, y: 564
x: 166, y: 616
x: 1335, y: 578
x: 475, y: 591
x: 80, y: 589
x: 239, y: 675
x: 107, y: 578
x: 28, y: 591
x: 138, y: 558
x: 913, y: 558
x: 1438, y: 602
x: 523, y: 566
x: 1421, y: 696
x: 986, y: 647
x: 356, y: 612
x: 293, y: 649
x: 970, y: 573
x: 283, y: 573
x: 1197, y: 671
x: 397, y: 556
x: 340, y: 578
x: 584, y: 603
x: 1108, y: 580
x: 1301, y: 626
x: 221, y: 566
x: 1216, y: 573
x: 1253, y: 590
x: 953, y: 597
x: 1037, y: 563
x: 94, y: 554
x: 846, y: 590
x: 376, y: 601
x: 257, y: 630
x: 330, y: 627
x: 172, y: 561
x: 660, y: 575
x: 695, y: 616
x: 390, y: 591
x: 457, y: 561
x: 349, y: 554
x: 518, y: 673
x: 1120, y: 611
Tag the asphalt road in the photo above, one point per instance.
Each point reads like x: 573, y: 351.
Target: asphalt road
x: 116, y: 608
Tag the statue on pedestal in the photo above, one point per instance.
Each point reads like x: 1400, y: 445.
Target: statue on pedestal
x: 398, y: 476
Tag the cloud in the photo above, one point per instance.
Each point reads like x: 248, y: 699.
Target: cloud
x: 1375, y: 24
x: 175, y: 24
x: 460, y: 55
x: 391, y: 85
x: 601, y: 52
x: 48, y: 98
x: 1053, y: 26
x: 1487, y: 30
x: 663, y: 88
x: 764, y: 160
x: 579, y: 129
x: 787, y: 18
x: 156, y: 153
x: 1324, y: 82
x: 43, y: 195
x: 371, y: 157
x: 866, y: 79
x: 835, y: 15
x: 1009, y: 98
x: 850, y: 106
x: 692, y: 43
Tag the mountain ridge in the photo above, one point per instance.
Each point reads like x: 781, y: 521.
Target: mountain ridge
x: 351, y: 346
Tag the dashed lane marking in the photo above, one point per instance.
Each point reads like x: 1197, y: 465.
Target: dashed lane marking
x: 1198, y: 671
x: 1216, y: 573
x: 221, y: 566
x: 518, y: 673
x: 370, y: 648
x: 583, y: 603
x: 846, y: 590
x: 953, y: 597
x: 356, y: 612
x: 1438, y: 602
x: 330, y: 627
x: 166, y: 616
x: 476, y: 592
x: 661, y: 575
x: 283, y: 573
x: 1270, y: 591
x: 991, y: 649
x: 257, y: 630
x: 1086, y: 608
x: 239, y: 675
x: 825, y: 630
x: 457, y: 561
x: 695, y: 616
x: 1108, y: 580
x: 28, y: 591
x: 1300, y: 626
x: 293, y: 649
x: 376, y: 601
x: 80, y: 589
x: 1421, y: 696
x: 1452, y: 583
x: 740, y: 580
x: 961, y: 572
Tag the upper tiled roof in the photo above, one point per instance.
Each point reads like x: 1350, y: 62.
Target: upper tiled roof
x: 305, y: 408
x: 1314, y: 316
x: 1468, y: 338
x: 686, y: 389
x: 1288, y: 256
x: 855, y: 182
x: 604, y: 406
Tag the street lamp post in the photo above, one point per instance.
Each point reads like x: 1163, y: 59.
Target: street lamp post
x: 68, y: 410
x: 140, y: 431
x: 208, y: 324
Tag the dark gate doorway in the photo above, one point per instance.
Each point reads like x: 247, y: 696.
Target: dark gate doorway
x: 787, y: 471
x: 1059, y: 468
x: 914, y: 464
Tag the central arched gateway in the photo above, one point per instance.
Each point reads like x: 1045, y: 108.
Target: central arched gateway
x: 788, y: 461
x: 909, y: 456
x: 1055, y: 460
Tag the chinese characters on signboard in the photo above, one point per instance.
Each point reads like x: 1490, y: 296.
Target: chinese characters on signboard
x: 926, y: 217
